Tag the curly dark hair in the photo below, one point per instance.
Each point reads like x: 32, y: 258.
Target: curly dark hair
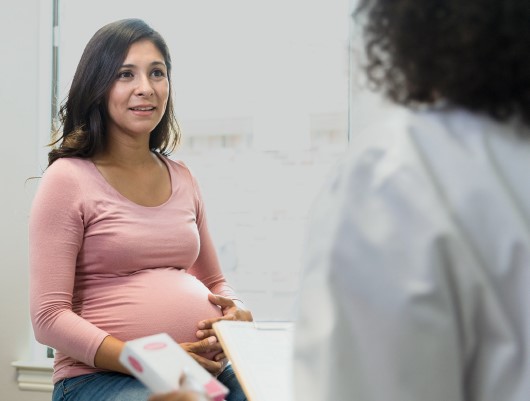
x: 83, y: 116
x: 474, y: 54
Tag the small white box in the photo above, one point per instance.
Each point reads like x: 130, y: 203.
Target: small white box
x: 158, y: 362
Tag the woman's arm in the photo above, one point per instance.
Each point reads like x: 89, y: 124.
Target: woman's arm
x: 108, y: 354
x: 56, y: 231
x: 207, y: 269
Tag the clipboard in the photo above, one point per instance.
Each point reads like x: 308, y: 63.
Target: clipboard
x: 261, y: 356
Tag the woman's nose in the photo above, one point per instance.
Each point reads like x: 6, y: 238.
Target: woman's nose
x: 144, y: 87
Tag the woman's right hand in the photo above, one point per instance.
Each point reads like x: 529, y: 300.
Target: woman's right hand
x: 199, y: 348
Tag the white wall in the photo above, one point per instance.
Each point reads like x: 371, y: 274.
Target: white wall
x: 20, y: 98
x: 19, y: 30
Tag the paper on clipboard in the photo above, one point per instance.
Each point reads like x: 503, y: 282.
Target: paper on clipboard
x: 261, y: 357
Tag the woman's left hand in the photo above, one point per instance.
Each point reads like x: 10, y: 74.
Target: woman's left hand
x: 230, y: 312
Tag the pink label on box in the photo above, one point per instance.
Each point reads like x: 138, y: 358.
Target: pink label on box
x: 155, y: 346
x: 135, y: 364
x: 215, y: 390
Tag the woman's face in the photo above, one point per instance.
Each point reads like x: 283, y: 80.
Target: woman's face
x: 137, y: 100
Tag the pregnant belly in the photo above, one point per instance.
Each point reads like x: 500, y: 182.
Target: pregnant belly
x: 152, y: 301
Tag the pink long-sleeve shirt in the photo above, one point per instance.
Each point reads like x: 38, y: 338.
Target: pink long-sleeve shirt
x: 102, y: 265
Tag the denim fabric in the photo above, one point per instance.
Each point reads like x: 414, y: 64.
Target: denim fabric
x: 101, y: 386
x: 229, y: 379
x: 112, y: 386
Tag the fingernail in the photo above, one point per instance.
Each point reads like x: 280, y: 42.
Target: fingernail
x: 200, y: 334
x: 201, y: 325
x: 212, y: 340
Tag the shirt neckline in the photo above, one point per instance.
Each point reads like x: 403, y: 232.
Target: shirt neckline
x: 124, y: 198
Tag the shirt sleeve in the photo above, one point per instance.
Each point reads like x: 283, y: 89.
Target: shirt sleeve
x: 207, y: 267
x: 55, y: 237
x: 379, y: 309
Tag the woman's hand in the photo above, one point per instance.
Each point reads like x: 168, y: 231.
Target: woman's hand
x: 231, y: 311
x: 210, y: 344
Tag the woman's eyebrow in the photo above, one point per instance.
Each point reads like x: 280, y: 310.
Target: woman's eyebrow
x: 157, y: 63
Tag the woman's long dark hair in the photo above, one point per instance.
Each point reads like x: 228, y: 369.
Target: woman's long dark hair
x: 83, y: 116
x: 474, y: 54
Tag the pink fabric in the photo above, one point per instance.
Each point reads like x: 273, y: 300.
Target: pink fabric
x: 101, y: 264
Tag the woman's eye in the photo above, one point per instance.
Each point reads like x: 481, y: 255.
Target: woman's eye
x: 125, y: 74
x: 158, y: 73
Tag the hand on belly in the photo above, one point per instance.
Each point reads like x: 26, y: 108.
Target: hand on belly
x: 150, y: 302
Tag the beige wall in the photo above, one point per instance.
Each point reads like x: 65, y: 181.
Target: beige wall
x: 19, y: 57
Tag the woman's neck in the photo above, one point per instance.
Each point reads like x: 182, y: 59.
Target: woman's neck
x: 128, y: 155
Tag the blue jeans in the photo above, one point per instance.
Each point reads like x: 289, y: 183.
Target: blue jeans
x: 112, y: 386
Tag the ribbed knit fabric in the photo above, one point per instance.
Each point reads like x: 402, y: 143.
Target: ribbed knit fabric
x: 101, y: 264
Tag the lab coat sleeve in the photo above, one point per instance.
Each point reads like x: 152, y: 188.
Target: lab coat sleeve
x: 380, y: 316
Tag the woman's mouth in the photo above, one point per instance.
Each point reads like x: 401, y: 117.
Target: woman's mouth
x: 150, y: 108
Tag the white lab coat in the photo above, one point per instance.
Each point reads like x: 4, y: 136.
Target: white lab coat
x: 417, y: 267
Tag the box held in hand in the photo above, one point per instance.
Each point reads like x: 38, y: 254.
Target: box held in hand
x: 158, y: 362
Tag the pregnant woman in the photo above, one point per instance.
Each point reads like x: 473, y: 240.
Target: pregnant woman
x: 119, y: 243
